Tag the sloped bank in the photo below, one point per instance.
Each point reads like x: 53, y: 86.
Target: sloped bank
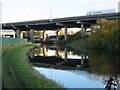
x: 18, y: 72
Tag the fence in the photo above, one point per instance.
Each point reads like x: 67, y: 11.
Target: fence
x: 9, y: 40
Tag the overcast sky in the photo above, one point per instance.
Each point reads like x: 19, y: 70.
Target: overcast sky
x: 24, y: 10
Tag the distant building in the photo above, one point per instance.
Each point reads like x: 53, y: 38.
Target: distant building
x: 7, y: 33
x: 119, y: 6
x: 10, y: 33
x: 104, y: 11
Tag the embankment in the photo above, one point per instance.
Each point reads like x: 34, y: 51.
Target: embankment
x: 18, y: 72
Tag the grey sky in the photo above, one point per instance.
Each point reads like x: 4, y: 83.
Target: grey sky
x: 23, y: 10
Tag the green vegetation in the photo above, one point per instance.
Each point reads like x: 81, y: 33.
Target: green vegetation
x: 101, y: 34
x: 80, y: 45
x: 78, y: 41
x: 103, y: 62
x: 77, y: 36
x: 114, y: 41
x: 105, y: 34
x: 38, y: 33
x: 18, y: 72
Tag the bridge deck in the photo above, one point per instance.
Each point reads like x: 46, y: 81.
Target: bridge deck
x: 47, y: 24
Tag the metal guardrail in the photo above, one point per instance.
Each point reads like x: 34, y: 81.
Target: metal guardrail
x: 9, y: 40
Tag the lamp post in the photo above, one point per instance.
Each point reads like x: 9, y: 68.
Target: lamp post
x: 51, y: 71
x: 50, y: 10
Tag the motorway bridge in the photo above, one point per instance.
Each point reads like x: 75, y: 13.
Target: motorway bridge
x: 82, y: 22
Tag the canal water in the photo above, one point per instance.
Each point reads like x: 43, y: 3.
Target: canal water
x: 77, y: 69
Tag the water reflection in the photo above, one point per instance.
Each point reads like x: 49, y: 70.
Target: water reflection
x: 89, y: 69
x: 72, y: 78
x: 57, y: 56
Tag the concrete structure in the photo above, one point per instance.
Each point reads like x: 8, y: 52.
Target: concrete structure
x: 59, y: 23
x: 12, y: 33
x: 7, y: 33
x: 17, y: 34
x: 32, y: 35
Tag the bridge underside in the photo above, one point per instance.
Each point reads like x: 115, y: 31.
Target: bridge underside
x: 49, y: 26
x: 59, y: 22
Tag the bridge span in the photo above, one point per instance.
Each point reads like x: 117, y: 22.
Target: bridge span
x: 82, y: 22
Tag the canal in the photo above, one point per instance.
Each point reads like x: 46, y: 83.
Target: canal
x: 77, y: 69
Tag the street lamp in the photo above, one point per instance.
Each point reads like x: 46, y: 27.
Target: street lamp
x: 50, y: 10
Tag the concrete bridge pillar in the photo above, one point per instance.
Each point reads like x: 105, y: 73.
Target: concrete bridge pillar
x: 45, y: 51
x: 82, y: 28
x: 82, y: 60
x: 21, y: 34
x: 57, y: 34
x: 17, y: 33
x: 65, y: 34
x: 57, y: 54
x: 65, y: 53
x: 85, y: 30
x: 44, y: 35
x: 28, y: 35
x: 32, y: 35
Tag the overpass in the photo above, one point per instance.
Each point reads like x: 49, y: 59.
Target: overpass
x: 82, y: 22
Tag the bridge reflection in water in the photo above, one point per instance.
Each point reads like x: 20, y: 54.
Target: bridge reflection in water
x: 58, y: 57
x: 77, y: 69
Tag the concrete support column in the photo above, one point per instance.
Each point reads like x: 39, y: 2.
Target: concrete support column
x: 21, y: 34
x: 65, y: 53
x: 17, y: 33
x: 45, y: 51
x: 57, y: 35
x: 28, y: 35
x: 85, y: 30
x: 57, y: 54
x: 82, y: 60
x: 82, y: 28
x: 14, y: 34
x: 65, y: 33
x: 32, y: 35
x: 44, y: 35
x: 85, y: 57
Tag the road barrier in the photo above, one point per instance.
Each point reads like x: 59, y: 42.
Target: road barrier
x: 9, y: 40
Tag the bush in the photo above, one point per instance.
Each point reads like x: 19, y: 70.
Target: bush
x: 101, y: 33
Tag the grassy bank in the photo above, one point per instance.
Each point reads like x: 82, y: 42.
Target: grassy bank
x: 17, y: 71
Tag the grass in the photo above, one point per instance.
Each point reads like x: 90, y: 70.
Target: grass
x: 18, y: 72
x: 79, y: 44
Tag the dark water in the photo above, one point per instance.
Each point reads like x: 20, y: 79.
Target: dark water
x: 77, y: 69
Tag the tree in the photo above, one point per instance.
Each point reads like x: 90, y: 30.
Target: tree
x: 114, y: 41
x: 101, y: 32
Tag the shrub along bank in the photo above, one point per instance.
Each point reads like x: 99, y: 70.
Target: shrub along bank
x: 105, y: 34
